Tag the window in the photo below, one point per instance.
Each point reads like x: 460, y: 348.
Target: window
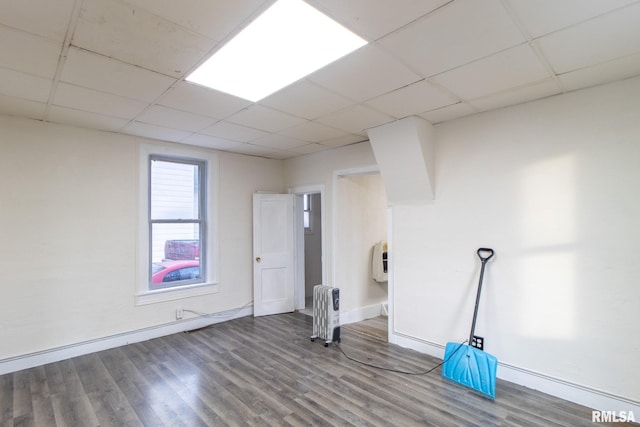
x: 177, y: 226
x: 307, y: 210
x: 176, y: 221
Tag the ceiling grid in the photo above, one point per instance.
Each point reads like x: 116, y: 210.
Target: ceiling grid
x: 120, y: 66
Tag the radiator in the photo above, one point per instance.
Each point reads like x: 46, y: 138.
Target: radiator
x: 326, y: 314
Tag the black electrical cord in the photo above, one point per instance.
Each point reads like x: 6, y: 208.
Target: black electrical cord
x: 396, y: 370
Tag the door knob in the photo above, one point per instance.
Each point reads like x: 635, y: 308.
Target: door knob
x: 258, y: 259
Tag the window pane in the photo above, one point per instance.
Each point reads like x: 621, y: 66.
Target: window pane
x: 175, y: 255
x: 175, y: 273
x: 174, y: 190
x: 186, y: 273
x: 175, y: 241
x: 306, y: 202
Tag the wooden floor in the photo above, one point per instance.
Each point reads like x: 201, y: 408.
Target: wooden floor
x: 376, y: 327
x: 263, y: 371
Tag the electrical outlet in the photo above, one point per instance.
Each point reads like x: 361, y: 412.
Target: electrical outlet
x: 179, y: 313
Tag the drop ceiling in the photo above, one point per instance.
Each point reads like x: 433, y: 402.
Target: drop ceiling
x: 120, y: 66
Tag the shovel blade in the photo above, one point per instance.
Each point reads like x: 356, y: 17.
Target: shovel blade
x: 470, y: 367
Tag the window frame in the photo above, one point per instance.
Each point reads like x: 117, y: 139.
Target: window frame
x: 201, y: 220
x: 209, y: 205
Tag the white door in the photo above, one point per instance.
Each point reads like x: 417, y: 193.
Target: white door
x: 273, y: 252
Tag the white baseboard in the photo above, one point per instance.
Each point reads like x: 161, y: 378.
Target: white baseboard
x: 359, y: 314
x: 583, y: 395
x: 43, y: 357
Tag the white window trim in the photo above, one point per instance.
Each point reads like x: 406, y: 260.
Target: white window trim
x: 143, y: 295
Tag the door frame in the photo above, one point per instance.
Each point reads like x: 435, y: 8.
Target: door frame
x: 357, y: 171
x: 337, y: 174
x: 299, y: 257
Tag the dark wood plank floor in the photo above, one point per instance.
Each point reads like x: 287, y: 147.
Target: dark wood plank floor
x: 263, y: 371
x: 376, y: 327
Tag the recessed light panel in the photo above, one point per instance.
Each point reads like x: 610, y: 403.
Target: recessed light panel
x: 287, y: 42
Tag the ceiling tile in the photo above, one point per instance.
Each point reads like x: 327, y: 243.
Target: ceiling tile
x: 355, y: 119
x: 305, y: 99
x: 263, y: 118
x: 26, y: 86
x: 519, y: 95
x: 156, y: 132
x: 460, y: 32
x: 413, y: 99
x: 169, y: 117
x: 211, y: 142
x: 373, y: 19
x: 344, y: 140
x: 22, y: 107
x: 309, y: 149
x: 312, y: 132
x: 232, y: 131
x: 279, y: 142
x: 28, y: 53
x: 505, y: 70
x: 364, y: 74
x: 255, y: 150
x: 449, y: 112
x: 84, y: 119
x: 213, y: 19
x: 135, y: 36
x: 281, y: 155
x: 341, y: 141
x: 606, y: 72
x: 42, y: 17
x: 80, y: 98
x: 83, y: 68
x: 601, y: 39
x: 545, y: 16
x: 200, y: 100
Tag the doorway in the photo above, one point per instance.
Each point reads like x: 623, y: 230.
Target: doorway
x: 360, y: 220
x: 360, y: 224
x: 312, y: 223
x: 310, y: 269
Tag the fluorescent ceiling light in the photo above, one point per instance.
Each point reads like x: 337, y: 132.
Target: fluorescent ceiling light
x: 287, y: 42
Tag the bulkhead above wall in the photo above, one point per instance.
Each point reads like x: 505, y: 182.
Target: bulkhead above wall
x: 404, y: 151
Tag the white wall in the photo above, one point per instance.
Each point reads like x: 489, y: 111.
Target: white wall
x: 552, y: 186
x: 68, y: 227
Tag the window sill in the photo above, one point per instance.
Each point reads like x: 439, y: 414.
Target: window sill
x: 170, y: 294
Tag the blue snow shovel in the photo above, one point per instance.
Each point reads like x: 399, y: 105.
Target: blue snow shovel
x: 468, y: 364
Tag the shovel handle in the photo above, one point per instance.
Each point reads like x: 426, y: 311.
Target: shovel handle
x: 485, y: 251
x: 488, y: 253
